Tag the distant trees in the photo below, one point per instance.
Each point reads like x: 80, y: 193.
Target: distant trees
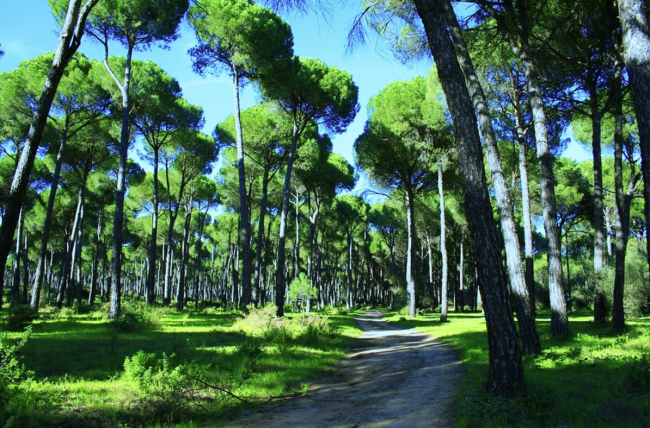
x: 404, y: 141
x: 435, y: 153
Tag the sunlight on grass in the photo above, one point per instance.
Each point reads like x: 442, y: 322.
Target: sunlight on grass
x: 595, y: 378
x: 79, y: 364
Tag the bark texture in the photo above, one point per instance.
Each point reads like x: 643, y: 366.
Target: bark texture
x: 525, y: 316
x: 69, y: 42
x: 636, y: 55
x: 506, y: 370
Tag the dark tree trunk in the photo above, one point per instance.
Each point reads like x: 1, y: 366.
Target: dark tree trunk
x: 14, y: 298
x: 243, y: 202
x: 38, y: 276
x: 525, y: 317
x: 280, y: 282
x: 506, y: 370
x: 623, y: 201
x: 185, y: 251
x: 600, y: 311
x: 260, y: 234
x: 118, y: 218
x: 636, y: 54
x: 153, y: 245
x: 69, y: 41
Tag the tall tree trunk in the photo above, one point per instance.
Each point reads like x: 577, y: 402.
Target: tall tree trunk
x: 280, y: 282
x: 296, y: 247
x: 523, y: 51
x: 69, y: 41
x: 243, y: 200
x: 260, y: 233
x: 185, y: 251
x: 411, y: 249
x: 444, y: 288
x: 45, y: 234
x: 525, y: 317
x: 506, y: 370
x: 600, y: 311
x: 15, y: 287
x: 636, y: 54
x: 622, y: 201
x: 67, y: 260
x: 525, y: 203
x: 153, y: 245
x: 118, y: 218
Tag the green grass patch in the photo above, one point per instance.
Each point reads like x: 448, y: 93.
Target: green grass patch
x: 598, y: 377
x: 78, y: 365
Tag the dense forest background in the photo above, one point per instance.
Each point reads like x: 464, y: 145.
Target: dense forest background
x: 113, y: 189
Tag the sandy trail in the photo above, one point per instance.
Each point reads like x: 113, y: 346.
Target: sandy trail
x: 395, y: 378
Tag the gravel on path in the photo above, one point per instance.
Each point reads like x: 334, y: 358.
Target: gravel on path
x: 396, y: 377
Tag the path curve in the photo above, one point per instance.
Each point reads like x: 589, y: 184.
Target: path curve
x: 396, y: 377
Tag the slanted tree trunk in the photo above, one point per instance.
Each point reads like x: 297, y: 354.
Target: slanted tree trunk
x: 523, y: 51
x: 525, y: 203
x: 15, y: 287
x: 45, y: 234
x: 506, y: 369
x: 636, y: 55
x: 67, y: 261
x: 69, y: 41
x: 525, y: 317
x: 280, y: 282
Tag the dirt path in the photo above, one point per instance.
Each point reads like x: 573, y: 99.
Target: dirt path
x: 395, y: 378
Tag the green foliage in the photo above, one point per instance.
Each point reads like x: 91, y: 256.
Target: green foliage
x: 165, y: 389
x: 638, y: 378
x: 301, y: 290
x: 239, y: 35
x: 12, y: 372
x: 316, y: 92
x: 137, y: 320
x: 18, y: 318
x: 597, y: 377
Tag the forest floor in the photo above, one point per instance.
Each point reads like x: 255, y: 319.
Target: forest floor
x: 394, y: 377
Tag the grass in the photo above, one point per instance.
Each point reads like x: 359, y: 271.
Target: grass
x: 598, y: 377
x: 78, y: 364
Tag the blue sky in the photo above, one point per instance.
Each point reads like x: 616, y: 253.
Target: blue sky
x: 27, y: 29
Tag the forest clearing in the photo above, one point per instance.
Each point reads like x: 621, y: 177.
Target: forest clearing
x: 393, y: 213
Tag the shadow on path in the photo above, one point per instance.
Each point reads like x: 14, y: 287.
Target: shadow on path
x: 395, y: 377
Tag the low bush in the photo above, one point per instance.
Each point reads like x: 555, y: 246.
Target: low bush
x: 12, y: 373
x: 165, y: 389
x: 19, y: 318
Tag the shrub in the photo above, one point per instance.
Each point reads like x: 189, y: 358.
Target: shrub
x: 134, y: 322
x: 301, y: 291
x: 127, y: 322
x: 165, y: 390
x: 18, y: 318
x: 638, y: 378
x: 12, y: 372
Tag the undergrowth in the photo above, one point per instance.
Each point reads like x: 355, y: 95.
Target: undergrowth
x: 598, y: 377
x: 156, y: 366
